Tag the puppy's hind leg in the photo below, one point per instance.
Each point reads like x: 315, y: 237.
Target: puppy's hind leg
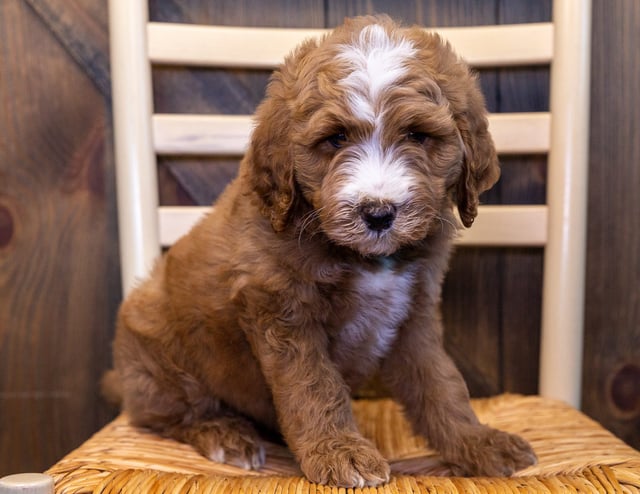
x: 227, y: 438
x: 169, y: 401
x: 213, y: 429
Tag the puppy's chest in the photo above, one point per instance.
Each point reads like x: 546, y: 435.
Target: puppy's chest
x: 377, y: 302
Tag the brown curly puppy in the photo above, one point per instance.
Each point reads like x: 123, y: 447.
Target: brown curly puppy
x: 321, y: 264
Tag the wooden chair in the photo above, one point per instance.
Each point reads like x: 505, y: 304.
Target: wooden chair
x: 574, y: 452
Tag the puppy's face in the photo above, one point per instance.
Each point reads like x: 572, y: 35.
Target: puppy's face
x: 375, y: 136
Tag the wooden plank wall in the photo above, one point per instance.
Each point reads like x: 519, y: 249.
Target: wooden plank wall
x: 612, y: 314
x: 59, y: 281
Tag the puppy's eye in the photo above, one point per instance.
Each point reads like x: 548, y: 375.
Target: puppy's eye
x: 337, y: 140
x: 417, y: 136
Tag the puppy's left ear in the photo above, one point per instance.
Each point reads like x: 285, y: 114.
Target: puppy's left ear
x: 480, y: 169
x: 268, y: 166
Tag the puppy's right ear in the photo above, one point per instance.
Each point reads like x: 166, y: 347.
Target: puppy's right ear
x: 268, y: 166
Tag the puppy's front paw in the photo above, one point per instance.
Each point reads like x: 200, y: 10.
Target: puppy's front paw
x: 346, y: 461
x: 490, y: 452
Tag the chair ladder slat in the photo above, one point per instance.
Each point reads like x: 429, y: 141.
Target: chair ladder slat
x: 228, y: 135
x: 265, y: 48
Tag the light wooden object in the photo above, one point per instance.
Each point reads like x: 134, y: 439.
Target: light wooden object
x: 565, y: 253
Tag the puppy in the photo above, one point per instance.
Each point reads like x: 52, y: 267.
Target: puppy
x: 321, y: 264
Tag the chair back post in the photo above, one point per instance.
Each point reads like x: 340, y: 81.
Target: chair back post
x: 564, y: 270
x: 136, y: 174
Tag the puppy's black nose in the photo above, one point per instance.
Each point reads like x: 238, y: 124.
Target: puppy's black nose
x: 378, y: 216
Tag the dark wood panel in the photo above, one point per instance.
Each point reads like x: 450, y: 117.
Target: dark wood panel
x: 612, y: 315
x: 274, y: 13
x: 81, y: 27
x: 424, y: 12
x: 58, y: 274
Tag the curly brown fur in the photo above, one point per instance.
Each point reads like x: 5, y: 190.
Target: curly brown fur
x: 321, y: 264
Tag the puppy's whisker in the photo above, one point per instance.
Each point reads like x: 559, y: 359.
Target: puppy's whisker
x: 445, y: 221
x: 308, y: 219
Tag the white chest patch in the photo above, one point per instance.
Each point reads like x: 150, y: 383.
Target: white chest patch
x: 385, y: 299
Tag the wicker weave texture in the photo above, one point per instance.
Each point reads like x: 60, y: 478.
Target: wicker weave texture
x: 596, y: 479
x: 575, y: 455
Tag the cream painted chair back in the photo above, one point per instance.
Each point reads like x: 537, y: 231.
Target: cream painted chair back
x: 559, y: 225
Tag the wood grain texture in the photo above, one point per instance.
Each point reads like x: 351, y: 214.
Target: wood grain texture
x: 442, y: 13
x: 81, y: 27
x: 58, y: 281
x: 612, y: 315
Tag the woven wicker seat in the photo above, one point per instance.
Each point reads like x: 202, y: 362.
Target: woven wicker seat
x: 575, y: 455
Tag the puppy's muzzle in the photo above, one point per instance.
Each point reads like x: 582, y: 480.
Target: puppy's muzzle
x: 378, y: 216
